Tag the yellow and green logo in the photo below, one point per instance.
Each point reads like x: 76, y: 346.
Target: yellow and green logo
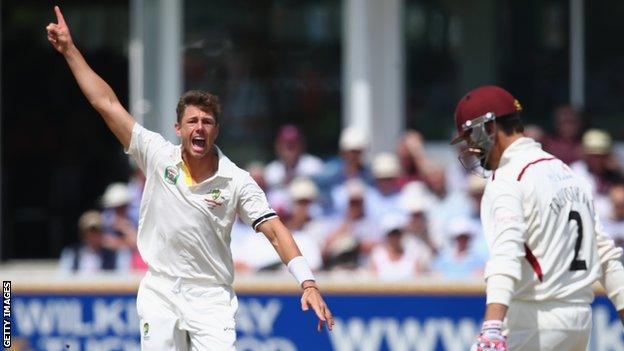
x: 215, y: 194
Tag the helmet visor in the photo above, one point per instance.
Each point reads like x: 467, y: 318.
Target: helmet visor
x: 479, y: 144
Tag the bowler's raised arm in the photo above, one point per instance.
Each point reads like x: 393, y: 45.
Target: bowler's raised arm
x: 97, y: 91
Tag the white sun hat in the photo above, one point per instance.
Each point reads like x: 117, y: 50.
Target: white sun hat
x: 386, y: 165
x: 353, y: 138
x: 116, y: 194
x: 302, y: 188
x: 597, y: 142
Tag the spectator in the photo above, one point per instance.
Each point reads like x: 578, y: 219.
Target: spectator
x: 445, y: 203
x: 120, y: 232
x: 390, y: 260
x: 416, y: 237
x: 459, y: 261
x: 565, y: 143
x: 350, y: 164
x: 355, y: 233
x: 476, y: 187
x: 308, y: 232
x: 384, y: 196
x: 412, y: 157
x: 599, y: 167
x: 614, y: 222
x: 292, y: 161
x: 90, y: 255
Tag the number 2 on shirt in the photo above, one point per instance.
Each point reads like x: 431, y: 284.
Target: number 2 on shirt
x: 577, y: 265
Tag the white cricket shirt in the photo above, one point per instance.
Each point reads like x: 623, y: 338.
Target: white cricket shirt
x: 184, y: 231
x: 543, y: 232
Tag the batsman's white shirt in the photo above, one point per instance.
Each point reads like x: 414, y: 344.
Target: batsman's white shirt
x: 184, y: 230
x: 543, y: 232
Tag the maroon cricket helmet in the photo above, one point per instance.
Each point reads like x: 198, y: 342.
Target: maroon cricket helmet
x: 480, y: 101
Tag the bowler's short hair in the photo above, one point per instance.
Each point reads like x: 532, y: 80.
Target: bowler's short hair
x: 203, y: 100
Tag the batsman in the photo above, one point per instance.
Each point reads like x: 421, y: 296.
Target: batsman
x: 547, y: 245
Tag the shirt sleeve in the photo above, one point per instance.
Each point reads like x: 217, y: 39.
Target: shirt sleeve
x: 144, y: 146
x: 503, y: 223
x: 253, y: 207
x: 613, y: 272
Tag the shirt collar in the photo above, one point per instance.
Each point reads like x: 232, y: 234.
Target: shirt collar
x: 519, y: 145
x: 226, y: 167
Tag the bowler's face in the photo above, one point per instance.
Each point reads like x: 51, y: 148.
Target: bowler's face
x: 197, y: 131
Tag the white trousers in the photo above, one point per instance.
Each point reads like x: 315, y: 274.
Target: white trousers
x: 547, y: 326
x: 178, y: 315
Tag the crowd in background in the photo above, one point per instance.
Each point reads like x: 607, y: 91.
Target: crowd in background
x: 397, y: 215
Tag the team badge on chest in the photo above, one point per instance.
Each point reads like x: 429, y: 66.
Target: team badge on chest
x: 171, y: 174
x: 214, y: 198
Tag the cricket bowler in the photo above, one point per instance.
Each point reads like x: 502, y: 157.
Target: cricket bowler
x: 192, y: 196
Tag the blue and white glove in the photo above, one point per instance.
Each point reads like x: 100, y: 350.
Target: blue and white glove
x: 490, y: 338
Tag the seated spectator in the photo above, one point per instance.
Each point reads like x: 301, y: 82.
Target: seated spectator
x: 599, y: 167
x: 292, y: 161
x: 459, y: 261
x: 614, y: 222
x: 381, y: 198
x: 444, y: 203
x: 349, y: 165
x: 565, y: 143
x: 90, y: 255
x: 412, y: 157
x: 120, y: 231
x: 384, y: 197
x: 355, y: 233
x: 391, y: 260
x: 476, y: 187
x: 308, y: 232
x: 416, y: 232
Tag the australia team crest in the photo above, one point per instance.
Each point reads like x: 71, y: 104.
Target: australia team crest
x: 214, y: 198
x: 171, y: 174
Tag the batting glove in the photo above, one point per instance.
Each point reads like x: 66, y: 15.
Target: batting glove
x: 490, y: 338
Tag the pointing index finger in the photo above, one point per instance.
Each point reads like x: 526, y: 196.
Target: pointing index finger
x: 59, y: 16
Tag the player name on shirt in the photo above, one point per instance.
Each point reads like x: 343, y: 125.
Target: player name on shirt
x: 565, y: 196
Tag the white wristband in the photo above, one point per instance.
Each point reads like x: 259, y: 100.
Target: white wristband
x: 300, y: 269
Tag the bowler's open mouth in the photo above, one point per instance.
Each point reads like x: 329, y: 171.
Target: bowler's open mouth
x: 198, y: 143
